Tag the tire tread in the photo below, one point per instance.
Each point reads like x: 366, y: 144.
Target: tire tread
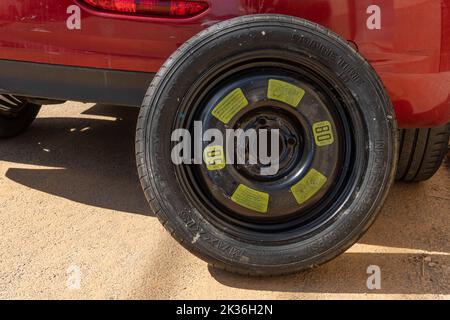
x: 421, y: 152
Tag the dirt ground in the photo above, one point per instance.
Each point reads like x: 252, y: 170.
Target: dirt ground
x: 71, y: 206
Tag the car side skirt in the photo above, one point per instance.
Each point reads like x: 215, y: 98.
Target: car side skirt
x: 57, y: 82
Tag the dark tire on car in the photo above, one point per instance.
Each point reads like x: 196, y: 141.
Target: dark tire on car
x: 302, y: 79
x: 421, y: 152
x: 16, y: 115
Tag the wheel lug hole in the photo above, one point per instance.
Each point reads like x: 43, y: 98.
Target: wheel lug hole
x: 291, y: 141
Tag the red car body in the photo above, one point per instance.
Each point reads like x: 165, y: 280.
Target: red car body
x: 411, y: 51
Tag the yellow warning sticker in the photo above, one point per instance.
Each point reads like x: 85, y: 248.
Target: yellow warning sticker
x: 323, y: 133
x: 251, y: 199
x: 285, y: 92
x: 306, y: 188
x: 214, y: 158
x: 230, y: 105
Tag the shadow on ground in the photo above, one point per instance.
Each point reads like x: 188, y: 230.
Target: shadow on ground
x: 400, y: 274
x: 91, y: 161
x: 412, y: 227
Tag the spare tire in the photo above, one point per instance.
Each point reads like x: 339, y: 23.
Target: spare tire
x: 337, y: 133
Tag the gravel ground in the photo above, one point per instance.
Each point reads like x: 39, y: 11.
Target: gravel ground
x: 71, y: 204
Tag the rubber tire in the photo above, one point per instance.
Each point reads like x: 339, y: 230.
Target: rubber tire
x: 172, y: 206
x: 421, y: 152
x: 13, y: 126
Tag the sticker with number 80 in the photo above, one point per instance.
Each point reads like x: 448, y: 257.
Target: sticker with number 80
x: 323, y: 133
x: 214, y: 157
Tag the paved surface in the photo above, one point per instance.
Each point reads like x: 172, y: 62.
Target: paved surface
x: 70, y: 201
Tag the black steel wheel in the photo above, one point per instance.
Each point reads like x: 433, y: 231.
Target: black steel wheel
x: 336, y: 136
x: 315, y: 154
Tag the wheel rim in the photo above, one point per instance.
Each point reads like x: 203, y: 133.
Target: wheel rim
x: 304, y: 160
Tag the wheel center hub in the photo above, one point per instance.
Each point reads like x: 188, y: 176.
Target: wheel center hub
x: 287, y: 149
